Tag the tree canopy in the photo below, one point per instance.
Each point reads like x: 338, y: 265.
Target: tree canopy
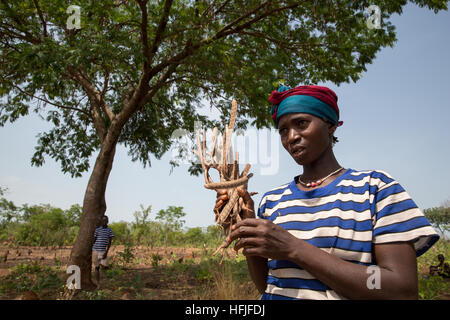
x: 440, y: 218
x: 149, y: 65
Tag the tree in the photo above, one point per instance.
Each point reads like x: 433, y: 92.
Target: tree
x: 195, y: 236
x: 440, y: 218
x: 8, y: 210
x: 141, y: 225
x: 171, y: 220
x: 131, y: 72
x: 122, y: 233
x: 73, y: 215
x: 45, y: 225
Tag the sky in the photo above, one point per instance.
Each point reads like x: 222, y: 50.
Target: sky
x: 396, y: 119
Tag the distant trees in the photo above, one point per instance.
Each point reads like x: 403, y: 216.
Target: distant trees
x: 45, y: 225
x: 141, y: 225
x: 38, y: 225
x: 439, y: 217
x: 171, y: 220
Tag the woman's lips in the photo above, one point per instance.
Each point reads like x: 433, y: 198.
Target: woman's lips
x: 297, y: 151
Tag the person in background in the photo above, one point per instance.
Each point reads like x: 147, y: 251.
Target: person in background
x: 442, y: 269
x: 103, y: 236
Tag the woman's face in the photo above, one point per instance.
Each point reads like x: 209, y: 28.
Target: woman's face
x: 304, y: 136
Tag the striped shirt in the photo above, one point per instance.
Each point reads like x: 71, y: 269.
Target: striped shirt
x: 102, y: 236
x: 344, y: 218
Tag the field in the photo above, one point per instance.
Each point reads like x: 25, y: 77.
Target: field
x: 134, y: 273
x: 159, y: 273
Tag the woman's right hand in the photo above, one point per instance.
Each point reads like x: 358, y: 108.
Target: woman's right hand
x: 248, y: 208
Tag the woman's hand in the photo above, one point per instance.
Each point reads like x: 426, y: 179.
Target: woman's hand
x: 248, y: 207
x: 260, y: 237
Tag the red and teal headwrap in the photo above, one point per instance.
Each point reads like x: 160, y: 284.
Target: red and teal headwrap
x: 316, y: 100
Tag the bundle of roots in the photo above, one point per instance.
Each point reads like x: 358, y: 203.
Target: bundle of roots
x: 222, y: 160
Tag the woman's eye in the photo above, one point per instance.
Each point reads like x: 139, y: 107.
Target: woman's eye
x: 282, y: 131
x: 302, y: 123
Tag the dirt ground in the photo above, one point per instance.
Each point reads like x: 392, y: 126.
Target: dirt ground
x: 49, y: 255
x: 154, y: 283
x: 175, y: 278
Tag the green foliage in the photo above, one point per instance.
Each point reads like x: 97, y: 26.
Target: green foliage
x: 46, y: 225
x: 145, y: 231
x: 171, y: 220
x: 195, y: 236
x: 433, y: 287
x: 38, y: 224
x: 94, y: 295
x: 171, y: 217
x: 156, y: 258
x: 439, y: 217
x: 126, y: 257
x: 186, y: 52
x: 115, y: 275
x: 122, y: 231
x: 30, y: 276
x: 8, y: 211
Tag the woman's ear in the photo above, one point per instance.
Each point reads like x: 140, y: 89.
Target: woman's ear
x: 331, y: 128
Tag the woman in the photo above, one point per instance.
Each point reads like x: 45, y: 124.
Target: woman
x: 331, y: 233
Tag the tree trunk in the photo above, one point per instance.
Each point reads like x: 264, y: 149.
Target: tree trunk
x: 94, y: 207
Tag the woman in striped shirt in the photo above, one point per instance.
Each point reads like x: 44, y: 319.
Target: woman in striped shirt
x: 331, y: 233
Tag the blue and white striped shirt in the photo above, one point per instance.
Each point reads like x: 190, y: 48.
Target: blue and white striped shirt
x: 344, y: 218
x: 102, y: 236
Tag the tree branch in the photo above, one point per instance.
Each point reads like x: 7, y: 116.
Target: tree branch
x: 144, y: 35
x: 161, y: 81
x: 93, y: 94
x: 130, y: 90
x: 97, y: 102
x: 190, y: 47
x: 29, y: 37
x: 160, y: 30
x: 279, y: 42
x: 258, y: 18
x: 12, y: 33
x: 52, y: 103
x: 127, y: 111
x: 221, y: 7
x: 231, y: 24
x: 208, y: 9
x: 143, y: 93
x: 105, y: 82
x: 44, y: 24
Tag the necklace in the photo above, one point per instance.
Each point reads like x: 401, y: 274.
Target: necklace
x: 318, y: 182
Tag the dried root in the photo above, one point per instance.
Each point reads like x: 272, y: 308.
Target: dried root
x: 230, y: 179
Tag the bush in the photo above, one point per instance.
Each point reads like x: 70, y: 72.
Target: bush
x: 31, y: 276
x: 40, y: 225
x: 433, y: 287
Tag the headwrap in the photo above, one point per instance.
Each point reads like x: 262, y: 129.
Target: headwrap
x: 316, y: 100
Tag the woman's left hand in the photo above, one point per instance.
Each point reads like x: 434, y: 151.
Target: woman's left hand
x: 260, y: 237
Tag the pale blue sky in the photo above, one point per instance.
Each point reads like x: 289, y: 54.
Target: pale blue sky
x: 396, y: 119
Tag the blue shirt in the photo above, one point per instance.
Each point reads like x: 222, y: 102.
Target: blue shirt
x: 344, y: 218
x: 102, y: 236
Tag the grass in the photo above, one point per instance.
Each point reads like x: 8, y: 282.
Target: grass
x: 433, y: 287
x: 43, y: 280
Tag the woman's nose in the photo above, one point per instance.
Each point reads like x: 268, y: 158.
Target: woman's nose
x: 293, y: 135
